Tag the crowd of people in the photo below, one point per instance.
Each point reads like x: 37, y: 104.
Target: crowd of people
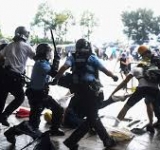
x: 82, y: 110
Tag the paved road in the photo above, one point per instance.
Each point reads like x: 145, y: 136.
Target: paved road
x: 143, y: 142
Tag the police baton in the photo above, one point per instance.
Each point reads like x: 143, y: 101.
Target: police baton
x: 56, y: 58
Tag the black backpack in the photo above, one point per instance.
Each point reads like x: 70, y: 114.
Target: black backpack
x: 151, y: 73
x: 42, y: 143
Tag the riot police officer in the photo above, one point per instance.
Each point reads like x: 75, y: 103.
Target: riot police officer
x: 15, y: 56
x: 86, y: 88
x: 37, y: 91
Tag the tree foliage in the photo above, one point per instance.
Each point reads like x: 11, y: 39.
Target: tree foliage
x: 47, y: 19
x: 64, y: 21
x: 88, y: 21
x: 140, y: 24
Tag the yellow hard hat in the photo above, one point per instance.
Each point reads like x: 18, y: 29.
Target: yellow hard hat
x: 142, y: 49
x: 48, y: 116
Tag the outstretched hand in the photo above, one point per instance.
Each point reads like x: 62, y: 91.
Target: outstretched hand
x: 115, y: 78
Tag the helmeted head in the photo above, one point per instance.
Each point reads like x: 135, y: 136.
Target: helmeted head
x: 83, y: 47
x: 21, y: 33
x: 43, y: 51
x: 144, y: 51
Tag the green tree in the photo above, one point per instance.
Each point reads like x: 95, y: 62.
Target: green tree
x: 44, y: 13
x: 88, y: 21
x: 156, y: 25
x: 140, y: 24
x: 64, y: 21
x: 48, y: 19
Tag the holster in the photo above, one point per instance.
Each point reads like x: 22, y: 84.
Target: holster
x: 95, y: 85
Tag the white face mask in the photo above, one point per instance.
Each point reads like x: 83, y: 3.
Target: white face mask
x: 49, y: 55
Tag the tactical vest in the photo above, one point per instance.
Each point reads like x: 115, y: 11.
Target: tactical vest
x: 81, y: 67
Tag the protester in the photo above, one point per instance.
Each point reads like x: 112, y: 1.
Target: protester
x: 15, y: 56
x: 123, y: 60
x: 145, y: 89
x: 87, y: 100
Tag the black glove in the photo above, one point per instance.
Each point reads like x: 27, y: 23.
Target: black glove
x: 115, y: 78
x: 54, y: 82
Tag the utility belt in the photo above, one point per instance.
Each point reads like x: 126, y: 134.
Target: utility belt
x: 94, y: 93
x: 94, y: 88
x: 95, y: 85
x: 11, y: 73
x: 11, y: 76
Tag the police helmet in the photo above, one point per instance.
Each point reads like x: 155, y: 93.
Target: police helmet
x: 43, y: 51
x: 22, y: 33
x: 82, y: 45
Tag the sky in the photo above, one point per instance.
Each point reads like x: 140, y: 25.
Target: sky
x: 21, y: 12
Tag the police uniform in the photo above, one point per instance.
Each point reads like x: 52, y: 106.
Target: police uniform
x: 87, y: 99
x: 38, y: 97
x: 16, y: 55
x: 86, y: 88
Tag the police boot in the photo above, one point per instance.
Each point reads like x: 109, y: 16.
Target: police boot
x: 70, y: 146
x: 56, y: 122
x: 150, y: 129
x: 104, y: 136
x: 72, y: 141
x: 55, y: 129
x: 11, y: 133
x: 56, y: 132
x: 27, y: 129
x: 157, y: 124
x: 3, y: 120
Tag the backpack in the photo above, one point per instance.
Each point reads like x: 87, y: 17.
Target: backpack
x: 41, y: 143
x: 151, y: 73
x: 44, y: 143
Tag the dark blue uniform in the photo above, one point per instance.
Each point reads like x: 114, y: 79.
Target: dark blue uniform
x: 87, y: 100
